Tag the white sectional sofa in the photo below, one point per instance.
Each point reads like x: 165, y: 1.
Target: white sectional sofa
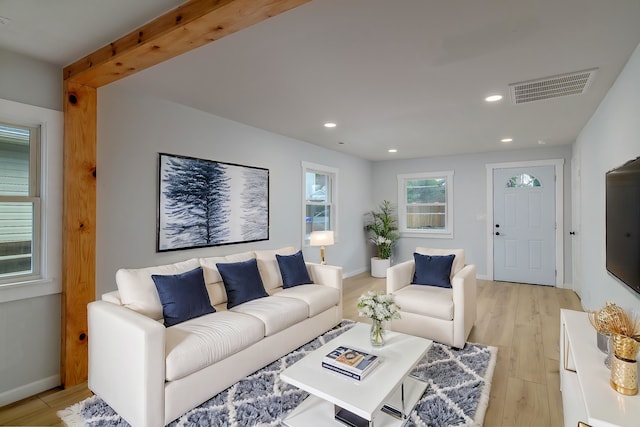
x: 151, y: 374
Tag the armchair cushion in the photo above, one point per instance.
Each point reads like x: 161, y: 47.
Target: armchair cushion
x: 293, y: 270
x: 427, y: 301
x: 432, y: 270
x: 183, y: 296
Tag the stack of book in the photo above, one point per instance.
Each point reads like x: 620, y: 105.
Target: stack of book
x: 347, y: 361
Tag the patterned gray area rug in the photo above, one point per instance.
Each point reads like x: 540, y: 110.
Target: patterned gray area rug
x: 459, y: 382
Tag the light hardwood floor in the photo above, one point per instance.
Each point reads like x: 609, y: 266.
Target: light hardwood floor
x: 523, y: 321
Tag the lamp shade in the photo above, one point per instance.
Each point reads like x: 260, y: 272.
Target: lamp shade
x: 321, y: 238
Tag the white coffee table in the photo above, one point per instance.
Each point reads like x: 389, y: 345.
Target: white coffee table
x: 387, y: 385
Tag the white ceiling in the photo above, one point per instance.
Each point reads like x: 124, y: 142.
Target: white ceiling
x: 404, y: 74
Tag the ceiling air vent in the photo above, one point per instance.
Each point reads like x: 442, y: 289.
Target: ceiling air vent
x: 552, y: 87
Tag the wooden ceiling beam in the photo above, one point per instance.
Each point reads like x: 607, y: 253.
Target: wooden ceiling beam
x: 185, y: 28
x: 191, y: 25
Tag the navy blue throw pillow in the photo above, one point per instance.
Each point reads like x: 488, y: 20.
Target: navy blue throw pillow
x: 433, y: 270
x: 293, y: 270
x: 242, y: 281
x: 183, y: 296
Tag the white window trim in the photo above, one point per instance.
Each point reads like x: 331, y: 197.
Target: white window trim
x: 315, y: 167
x: 51, y: 136
x: 447, y: 233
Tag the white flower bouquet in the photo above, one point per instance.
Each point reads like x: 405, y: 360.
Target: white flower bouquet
x: 378, y: 306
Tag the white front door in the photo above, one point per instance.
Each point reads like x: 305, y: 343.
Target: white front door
x: 524, y: 227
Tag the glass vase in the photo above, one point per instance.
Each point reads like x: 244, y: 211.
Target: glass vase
x: 607, y: 360
x: 377, y: 333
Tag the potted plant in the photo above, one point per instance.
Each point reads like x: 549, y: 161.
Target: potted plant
x: 382, y: 228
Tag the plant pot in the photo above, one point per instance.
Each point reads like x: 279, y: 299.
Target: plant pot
x: 624, y: 376
x: 379, y: 266
x: 625, y: 347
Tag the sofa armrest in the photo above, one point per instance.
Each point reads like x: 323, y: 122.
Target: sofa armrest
x: 464, y: 302
x: 113, y: 297
x: 399, y: 276
x: 127, y: 362
x: 327, y: 275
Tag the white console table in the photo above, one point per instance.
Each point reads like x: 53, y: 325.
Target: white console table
x: 584, y: 379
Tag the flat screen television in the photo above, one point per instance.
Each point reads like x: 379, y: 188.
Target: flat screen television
x: 623, y: 223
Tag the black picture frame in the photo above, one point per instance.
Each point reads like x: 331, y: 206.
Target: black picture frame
x: 203, y: 203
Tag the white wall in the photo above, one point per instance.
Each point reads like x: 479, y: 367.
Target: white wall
x: 133, y: 129
x: 610, y: 138
x: 30, y: 81
x: 30, y: 313
x: 470, y: 199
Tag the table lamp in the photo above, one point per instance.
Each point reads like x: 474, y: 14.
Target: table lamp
x: 322, y: 239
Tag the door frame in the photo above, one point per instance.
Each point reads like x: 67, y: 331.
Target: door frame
x: 576, y: 225
x: 558, y: 165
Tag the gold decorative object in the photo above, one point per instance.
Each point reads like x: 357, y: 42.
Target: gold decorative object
x: 625, y: 347
x: 624, y: 331
x: 614, y: 320
x: 624, y: 376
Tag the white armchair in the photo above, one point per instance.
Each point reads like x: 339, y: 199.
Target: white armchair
x: 445, y: 315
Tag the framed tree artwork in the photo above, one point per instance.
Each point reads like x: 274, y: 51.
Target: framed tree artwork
x: 208, y: 203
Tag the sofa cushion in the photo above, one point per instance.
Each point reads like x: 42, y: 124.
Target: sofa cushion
x: 319, y: 298
x: 205, y: 340
x: 183, y: 296
x: 293, y: 270
x: 432, y: 270
x: 268, y: 266
x: 137, y: 290
x: 277, y: 314
x: 212, y: 278
x: 458, y: 261
x: 242, y: 281
x: 426, y: 300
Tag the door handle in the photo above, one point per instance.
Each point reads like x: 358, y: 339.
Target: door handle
x: 573, y: 233
x: 497, y: 233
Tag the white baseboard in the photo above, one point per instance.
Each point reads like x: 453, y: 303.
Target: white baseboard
x: 482, y: 277
x: 355, y: 272
x: 29, y: 390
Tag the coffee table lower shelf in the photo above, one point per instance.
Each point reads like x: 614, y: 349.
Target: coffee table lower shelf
x: 314, y: 411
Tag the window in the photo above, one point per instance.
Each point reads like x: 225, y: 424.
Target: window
x: 523, y: 180
x: 320, y: 184
x: 425, y: 204
x: 19, y: 202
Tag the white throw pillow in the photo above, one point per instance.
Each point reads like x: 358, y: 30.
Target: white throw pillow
x: 268, y: 266
x: 212, y: 277
x: 137, y: 290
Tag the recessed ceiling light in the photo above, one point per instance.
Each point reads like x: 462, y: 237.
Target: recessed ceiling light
x: 330, y: 125
x: 506, y: 140
x: 392, y: 150
x: 493, y: 98
x: 541, y: 142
